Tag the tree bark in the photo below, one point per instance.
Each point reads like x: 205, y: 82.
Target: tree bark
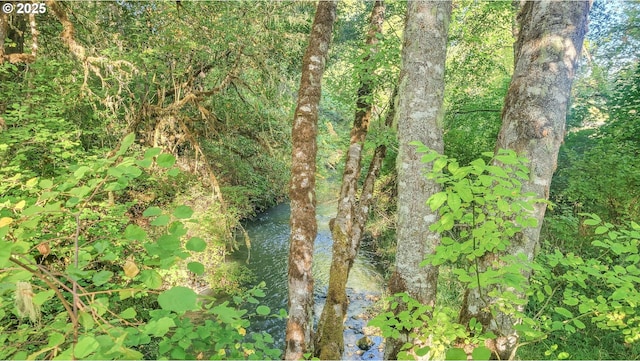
x: 547, y: 49
x: 419, y: 117
x: 302, y: 188
x: 346, y: 227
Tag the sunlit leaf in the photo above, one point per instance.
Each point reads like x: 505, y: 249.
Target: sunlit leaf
x: 178, y: 299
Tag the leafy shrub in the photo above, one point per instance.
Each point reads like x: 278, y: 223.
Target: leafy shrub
x: 73, y: 261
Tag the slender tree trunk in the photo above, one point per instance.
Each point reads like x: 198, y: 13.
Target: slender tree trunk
x: 547, y: 49
x: 344, y: 230
x: 302, y: 189
x: 419, y: 118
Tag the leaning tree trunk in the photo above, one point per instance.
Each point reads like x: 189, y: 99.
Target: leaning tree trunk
x: 344, y: 230
x: 419, y: 118
x: 547, y: 49
x: 302, y: 189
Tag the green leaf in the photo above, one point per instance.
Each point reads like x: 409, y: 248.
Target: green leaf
x: 579, y: 324
x: 601, y: 230
x: 152, y: 211
x: 102, y: 277
x: 563, y: 355
x: 55, y: 339
x: 85, y: 346
x: 129, y: 313
x: 429, y: 157
x: 437, y: 200
x: 159, y: 328
x: 144, y: 163
x: 165, y: 160
x: 570, y: 301
x: 151, y: 278
x: 152, y: 152
x: 453, y: 201
x: 423, y: 351
x: 126, y: 143
x: 481, y: 353
x: 196, y: 267
x: 196, y: 244
x: 41, y: 297
x: 439, y: 164
x: 135, y: 233
x: 46, y: 184
x: 162, y: 220
x: 263, y: 310
x: 564, y: 312
x: 178, y: 299
x: 183, y: 212
x: 455, y: 354
x: 5, y: 253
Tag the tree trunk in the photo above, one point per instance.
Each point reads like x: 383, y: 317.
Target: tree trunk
x: 419, y: 118
x: 345, y: 231
x: 547, y: 49
x: 302, y: 189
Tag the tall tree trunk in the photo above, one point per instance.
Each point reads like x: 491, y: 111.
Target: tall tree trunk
x: 345, y: 231
x: 302, y: 189
x: 547, y: 49
x: 419, y: 117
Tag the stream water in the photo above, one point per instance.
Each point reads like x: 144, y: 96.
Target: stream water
x: 269, y: 253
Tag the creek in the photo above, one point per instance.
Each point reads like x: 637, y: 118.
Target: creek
x: 268, y: 259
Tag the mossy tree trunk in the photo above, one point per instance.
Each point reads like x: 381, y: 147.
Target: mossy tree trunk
x: 548, y: 45
x: 302, y: 189
x: 347, y: 226
x: 419, y: 118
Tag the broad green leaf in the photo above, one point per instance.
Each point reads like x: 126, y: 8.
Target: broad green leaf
x: 41, y: 297
x: 455, y: 354
x: 126, y: 143
x: 46, y: 184
x: 169, y: 242
x: 178, y: 299
x: 196, y: 244
x: 144, y: 163
x: 601, y: 230
x: 579, y: 324
x: 429, y: 157
x: 135, y: 233
x: 55, y: 339
x: 165, y: 160
x: 564, y: 312
x: 129, y: 313
x: 571, y: 301
x: 439, y: 164
x: 481, y: 353
x: 151, y: 278
x: 196, y: 267
x: 86, y: 345
x: 102, y: 277
x: 5, y: 252
x: 437, y: 200
x: 152, y: 211
x: 183, y: 212
x: 152, y: 152
x: 162, y: 220
x: 160, y: 327
x: 423, y: 351
x: 263, y: 310
x: 453, y: 201
x: 563, y: 355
